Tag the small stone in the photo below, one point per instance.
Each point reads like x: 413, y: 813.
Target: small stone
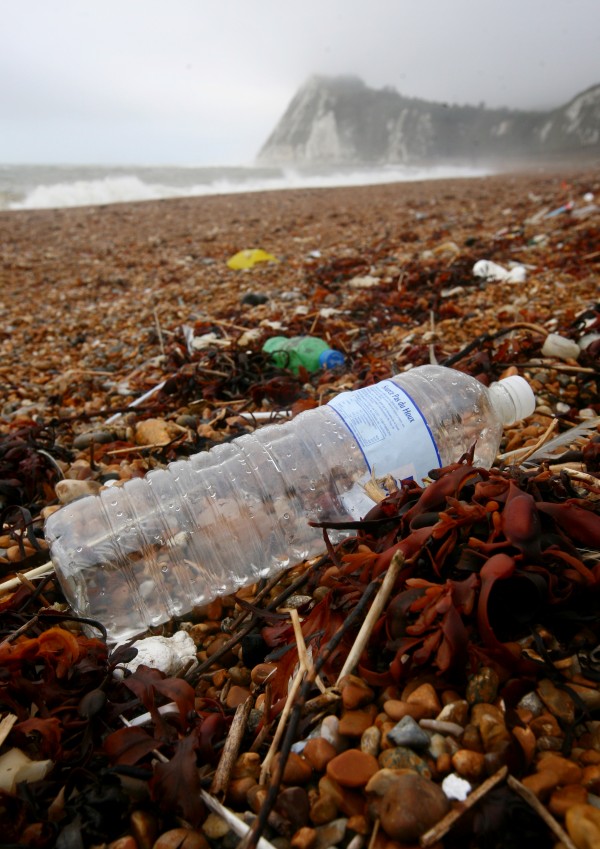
x: 411, y: 806
x: 323, y: 809
x: 68, y: 491
x: 84, y: 440
x: 483, y: 686
x: 402, y: 758
x: 331, y: 834
x: 557, y: 701
x: 330, y: 731
x: 565, y: 797
x: 532, y: 702
x: 350, y: 802
x: 354, y: 722
x: 408, y: 733
x: 215, y: 827
x: 256, y: 796
x: 181, y: 838
x: 253, y: 299
x: 427, y: 699
x: 438, y: 745
x: 583, y: 826
x: 292, y: 803
x: 526, y: 739
x: 591, y: 778
x: 297, y: 770
x: 247, y: 764
x: 545, y: 725
x: 144, y: 826
x: 370, y: 741
x: 468, y: 764
x: 456, y: 712
x: 236, y: 696
x: 397, y: 709
x: 541, y: 783
x: 262, y: 672
x: 126, y: 842
x: 304, y: 838
x: 352, y: 768
x: 566, y: 771
x: 440, y: 727
x: 318, y: 752
x: 355, y: 692
x: 238, y: 789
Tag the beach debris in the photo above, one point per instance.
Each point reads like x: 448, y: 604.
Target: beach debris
x: 489, y: 270
x: 249, y: 258
x: 559, y: 346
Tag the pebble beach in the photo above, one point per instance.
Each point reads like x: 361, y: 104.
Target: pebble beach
x: 128, y: 341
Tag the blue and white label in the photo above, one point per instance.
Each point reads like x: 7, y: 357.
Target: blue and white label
x: 390, y: 430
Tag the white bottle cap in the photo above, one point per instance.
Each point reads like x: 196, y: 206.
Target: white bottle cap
x: 512, y: 398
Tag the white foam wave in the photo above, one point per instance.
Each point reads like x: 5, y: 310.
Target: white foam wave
x: 130, y: 188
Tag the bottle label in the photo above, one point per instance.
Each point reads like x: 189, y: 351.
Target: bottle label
x: 390, y: 430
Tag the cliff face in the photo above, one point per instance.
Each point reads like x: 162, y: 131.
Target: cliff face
x: 339, y: 120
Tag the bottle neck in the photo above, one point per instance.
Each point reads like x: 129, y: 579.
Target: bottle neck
x: 512, y: 399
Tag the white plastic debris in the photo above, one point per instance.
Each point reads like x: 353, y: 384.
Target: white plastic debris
x: 560, y: 347
x: 456, y: 787
x: 489, y: 270
x: 16, y: 766
x: 169, y: 654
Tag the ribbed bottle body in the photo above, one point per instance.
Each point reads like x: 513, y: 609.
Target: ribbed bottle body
x: 139, y: 554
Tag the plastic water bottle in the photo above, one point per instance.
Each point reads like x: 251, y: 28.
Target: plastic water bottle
x: 136, y: 555
x: 307, y: 351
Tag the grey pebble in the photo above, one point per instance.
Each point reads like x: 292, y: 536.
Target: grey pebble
x: 408, y: 733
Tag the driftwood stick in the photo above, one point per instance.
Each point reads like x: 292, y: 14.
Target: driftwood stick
x: 373, y: 615
x: 38, y: 572
x: 287, y: 709
x: 303, y: 657
x: 233, y: 741
x: 541, y: 810
x: 445, y: 824
x: 251, y: 840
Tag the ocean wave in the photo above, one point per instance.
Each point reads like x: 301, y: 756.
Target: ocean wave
x: 126, y: 188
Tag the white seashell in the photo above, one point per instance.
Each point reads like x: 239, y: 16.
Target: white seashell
x: 169, y: 654
x: 560, y: 347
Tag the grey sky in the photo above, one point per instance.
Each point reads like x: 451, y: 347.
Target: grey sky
x: 203, y: 82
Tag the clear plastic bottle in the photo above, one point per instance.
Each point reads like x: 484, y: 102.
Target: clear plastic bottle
x: 137, y: 555
x: 308, y: 351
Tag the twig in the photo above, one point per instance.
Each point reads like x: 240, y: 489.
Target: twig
x: 277, y: 602
x: 6, y: 723
x: 547, y: 365
x: 489, y: 337
x: 222, y: 776
x: 445, y: 824
x: 302, y: 651
x: 161, y: 341
x: 543, y: 812
x: 233, y: 821
x: 528, y: 450
x: 38, y: 572
x: 250, y: 841
x: 373, y: 615
x: 287, y: 709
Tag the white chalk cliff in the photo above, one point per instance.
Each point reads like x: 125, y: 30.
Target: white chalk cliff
x: 339, y: 120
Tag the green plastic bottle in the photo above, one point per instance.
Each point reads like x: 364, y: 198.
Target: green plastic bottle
x: 307, y: 351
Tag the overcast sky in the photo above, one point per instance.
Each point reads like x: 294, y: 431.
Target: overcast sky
x: 203, y: 82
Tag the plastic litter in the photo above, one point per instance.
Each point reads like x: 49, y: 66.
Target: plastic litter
x: 249, y: 258
x: 307, y: 351
x: 489, y: 270
x: 140, y: 554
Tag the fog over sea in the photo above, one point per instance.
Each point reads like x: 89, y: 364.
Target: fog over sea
x: 56, y: 186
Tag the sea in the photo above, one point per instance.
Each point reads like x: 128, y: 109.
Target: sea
x: 56, y: 186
